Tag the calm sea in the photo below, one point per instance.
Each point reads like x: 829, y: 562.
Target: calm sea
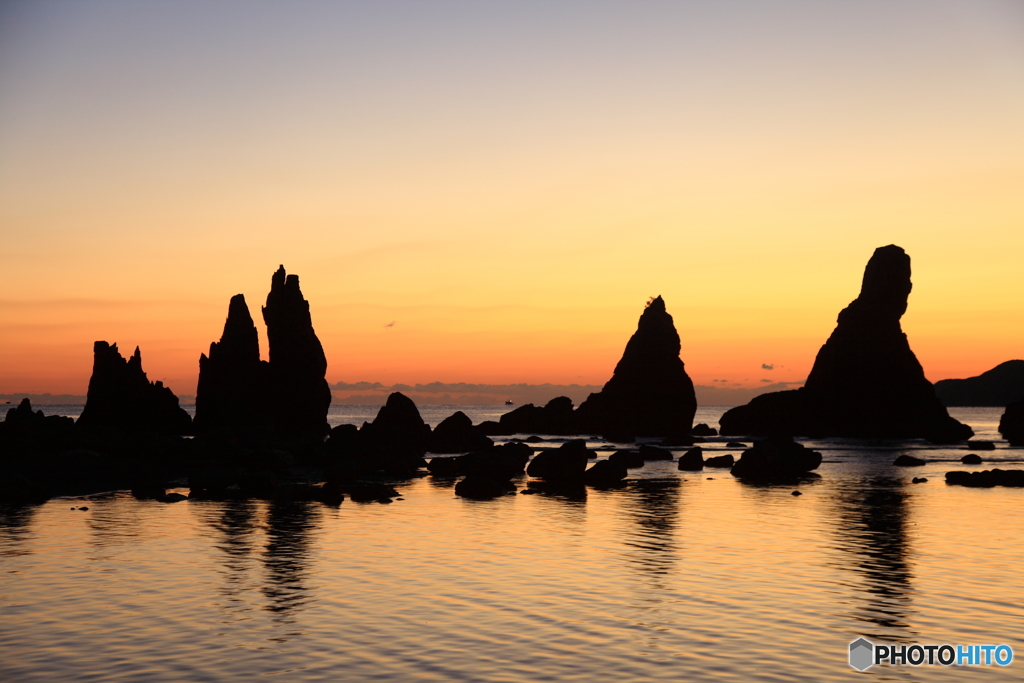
x: 675, y: 577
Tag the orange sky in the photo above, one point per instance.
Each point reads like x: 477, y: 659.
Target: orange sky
x: 508, y: 184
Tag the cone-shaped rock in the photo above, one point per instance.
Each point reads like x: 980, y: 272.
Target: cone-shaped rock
x: 649, y: 393
x: 298, y: 366
x: 120, y: 395
x: 1011, y: 424
x: 232, y: 379
x: 866, y: 382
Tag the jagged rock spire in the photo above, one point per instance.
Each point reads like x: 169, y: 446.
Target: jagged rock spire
x: 298, y: 366
x: 120, y: 395
x: 232, y: 388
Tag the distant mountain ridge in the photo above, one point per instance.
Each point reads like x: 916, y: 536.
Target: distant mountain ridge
x: 999, y: 386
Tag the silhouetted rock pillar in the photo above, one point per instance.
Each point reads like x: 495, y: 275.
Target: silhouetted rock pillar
x: 866, y: 382
x: 649, y: 393
x: 298, y: 366
x: 120, y: 395
x: 232, y: 389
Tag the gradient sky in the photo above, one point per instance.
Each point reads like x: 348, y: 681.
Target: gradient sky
x: 507, y: 182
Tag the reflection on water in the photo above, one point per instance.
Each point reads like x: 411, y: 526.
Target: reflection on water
x: 653, y: 508
x: 237, y: 525
x: 671, y: 577
x: 287, y: 555
x: 14, y: 529
x: 871, y: 527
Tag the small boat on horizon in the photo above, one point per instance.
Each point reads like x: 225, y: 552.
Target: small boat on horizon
x: 509, y: 402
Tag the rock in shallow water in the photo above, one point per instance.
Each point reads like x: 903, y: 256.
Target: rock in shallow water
x: 692, y: 460
x: 605, y: 472
x: 908, y: 461
x: 720, y: 461
x: 776, y: 459
x: 986, y: 478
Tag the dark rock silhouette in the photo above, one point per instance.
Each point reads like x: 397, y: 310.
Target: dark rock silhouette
x: 631, y: 459
x: 986, y: 478
x: 908, y: 461
x: 654, y: 453
x: 233, y: 381
x: 499, y: 462
x: 605, y: 472
x: 776, y: 459
x: 692, y: 460
x: 398, y: 428
x: 483, y: 488
x: 720, y: 461
x: 703, y: 430
x: 298, y: 365
x: 649, y: 393
x: 565, y: 464
x: 456, y: 434
x: 121, y: 396
x: 1011, y: 424
x: 971, y: 459
x: 866, y: 381
x: 22, y: 424
x: 556, y: 417
x: 981, y: 446
x: 999, y: 386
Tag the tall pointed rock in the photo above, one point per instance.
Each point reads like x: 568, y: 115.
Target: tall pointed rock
x: 120, y: 395
x: 298, y: 366
x: 232, y: 389
x: 649, y: 393
x: 866, y: 382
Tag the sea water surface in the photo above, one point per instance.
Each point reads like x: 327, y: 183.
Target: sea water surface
x: 676, y: 576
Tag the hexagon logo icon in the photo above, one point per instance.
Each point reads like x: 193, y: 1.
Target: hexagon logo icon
x: 861, y: 654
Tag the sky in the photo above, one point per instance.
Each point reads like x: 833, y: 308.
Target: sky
x: 490, y: 192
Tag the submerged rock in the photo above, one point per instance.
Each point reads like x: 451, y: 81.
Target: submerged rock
x: 649, y: 393
x: 298, y: 366
x: 866, y: 381
x: 121, y: 396
x: 908, y: 461
x: 233, y: 381
x: 776, y: 459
